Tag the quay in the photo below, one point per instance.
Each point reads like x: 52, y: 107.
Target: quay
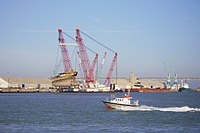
x: 44, y: 85
x: 27, y: 90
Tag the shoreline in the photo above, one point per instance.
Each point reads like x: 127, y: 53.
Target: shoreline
x: 53, y: 90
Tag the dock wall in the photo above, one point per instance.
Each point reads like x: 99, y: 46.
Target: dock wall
x: 27, y: 90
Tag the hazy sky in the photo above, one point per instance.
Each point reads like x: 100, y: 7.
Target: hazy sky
x: 145, y: 33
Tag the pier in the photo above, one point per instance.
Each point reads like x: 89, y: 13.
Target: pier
x: 27, y: 90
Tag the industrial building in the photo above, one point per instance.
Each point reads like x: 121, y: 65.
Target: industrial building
x: 26, y: 83
x: 133, y: 81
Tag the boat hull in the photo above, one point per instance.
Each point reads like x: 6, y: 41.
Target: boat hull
x: 67, y: 79
x: 182, y: 89
x: 112, y: 105
x: 148, y: 90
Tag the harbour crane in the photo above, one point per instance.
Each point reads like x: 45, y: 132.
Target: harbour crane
x: 68, y: 77
x: 87, y: 68
x: 102, y: 63
x: 114, y: 61
x: 107, y: 81
x: 92, y: 68
x: 64, y: 52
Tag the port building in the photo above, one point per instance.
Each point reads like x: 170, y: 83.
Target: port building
x: 133, y: 81
x: 26, y: 83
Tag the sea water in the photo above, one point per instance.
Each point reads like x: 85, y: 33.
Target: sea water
x: 84, y: 112
x: 193, y: 83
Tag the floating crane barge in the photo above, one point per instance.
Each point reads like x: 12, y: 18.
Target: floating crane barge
x: 67, y: 79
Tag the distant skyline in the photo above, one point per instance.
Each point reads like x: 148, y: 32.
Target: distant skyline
x: 144, y: 33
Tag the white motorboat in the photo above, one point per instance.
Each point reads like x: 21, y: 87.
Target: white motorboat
x: 116, y: 103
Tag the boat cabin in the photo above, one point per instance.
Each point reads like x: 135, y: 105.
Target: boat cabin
x: 125, y: 100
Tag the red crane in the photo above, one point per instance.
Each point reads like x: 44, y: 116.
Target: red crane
x: 64, y: 51
x: 87, y: 68
x: 107, y: 81
x: 92, y: 68
x: 102, y: 63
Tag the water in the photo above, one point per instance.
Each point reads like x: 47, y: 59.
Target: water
x: 79, y: 112
x: 194, y: 83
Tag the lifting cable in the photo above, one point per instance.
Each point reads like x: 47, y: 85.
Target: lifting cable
x: 98, y: 42
x: 75, y: 41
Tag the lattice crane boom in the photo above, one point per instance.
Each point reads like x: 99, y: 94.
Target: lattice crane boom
x: 64, y: 52
x: 102, y: 63
x: 83, y: 56
x: 92, y: 68
x: 107, y: 81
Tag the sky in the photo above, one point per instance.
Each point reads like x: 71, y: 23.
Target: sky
x: 144, y: 33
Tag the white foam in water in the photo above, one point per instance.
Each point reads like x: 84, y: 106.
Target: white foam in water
x: 167, y: 109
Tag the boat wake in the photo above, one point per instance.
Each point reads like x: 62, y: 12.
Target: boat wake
x: 166, y: 109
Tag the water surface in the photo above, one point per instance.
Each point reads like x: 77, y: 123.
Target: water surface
x: 84, y: 112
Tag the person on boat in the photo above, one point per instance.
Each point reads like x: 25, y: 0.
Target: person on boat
x: 127, y: 96
x: 110, y: 86
x: 136, y: 102
x: 113, y: 86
